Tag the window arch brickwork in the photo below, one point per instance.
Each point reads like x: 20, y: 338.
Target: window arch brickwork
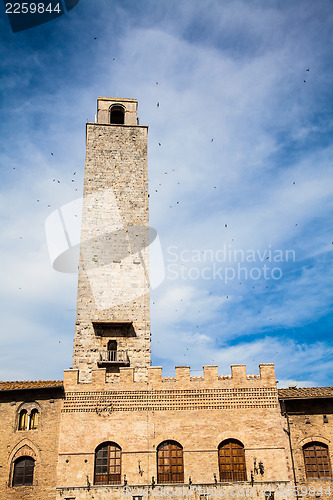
x: 170, y: 467
x: 316, y: 460
x: 232, y: 461
x: 108, y: 464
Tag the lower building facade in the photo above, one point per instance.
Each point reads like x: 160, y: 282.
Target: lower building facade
x: 232, y: 436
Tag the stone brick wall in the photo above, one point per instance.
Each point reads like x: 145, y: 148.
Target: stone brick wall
x: 113, y: 282
x: 197, y: 412
x: 41, y: 444
x: 103, y: 109
x: 306, y: 424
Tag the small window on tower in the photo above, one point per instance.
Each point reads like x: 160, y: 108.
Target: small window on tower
x: 112, y: 345
x: 117, y: 115
x: 112, y: 350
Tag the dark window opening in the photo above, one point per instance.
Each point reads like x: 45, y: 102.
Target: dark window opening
x: 232, y: 461
x: 316, y: 460
x: 23, y: 471
x: 112, y: 345
x: 170, y: 468
x: 112, y: 351
x: 108, y: 464
x: 117, y: 115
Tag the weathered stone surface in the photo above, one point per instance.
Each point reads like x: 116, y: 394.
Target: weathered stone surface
x: 41, y: 444
x: 114, y: 267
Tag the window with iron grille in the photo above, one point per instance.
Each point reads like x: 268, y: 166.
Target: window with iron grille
x: 316, y: 460
x: 232, y: 461
x: 108, y: 464
x: 170, y: 467
x: 23, y: 471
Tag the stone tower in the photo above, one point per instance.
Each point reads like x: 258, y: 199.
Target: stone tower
x: 113, y: 324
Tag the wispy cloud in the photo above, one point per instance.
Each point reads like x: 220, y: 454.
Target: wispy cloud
x: 239, y: 158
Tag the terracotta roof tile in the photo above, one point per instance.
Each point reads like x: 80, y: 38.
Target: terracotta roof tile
x: 33, y: 384
x: 306, y: 392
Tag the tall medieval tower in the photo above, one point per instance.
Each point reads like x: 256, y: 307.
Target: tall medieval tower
x: 112, y: 324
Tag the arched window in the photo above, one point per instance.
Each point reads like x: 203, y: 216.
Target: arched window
x: 33, y: 419
x: 23, y: 471
x: 170, y: 468
x: 232, y: 461
x: 108, y: 464
x: 23, y: 420
x: 316, y: 460
x: 117, y: 115
x: 112, y: 350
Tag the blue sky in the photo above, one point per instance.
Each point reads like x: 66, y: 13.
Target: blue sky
x: 245, y: 167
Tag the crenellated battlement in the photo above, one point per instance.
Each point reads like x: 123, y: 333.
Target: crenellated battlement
x: 182, y: 380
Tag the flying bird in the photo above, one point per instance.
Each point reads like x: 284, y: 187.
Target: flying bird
x: 158, y: 105
x: 51, y: 154
x: 307, y: 69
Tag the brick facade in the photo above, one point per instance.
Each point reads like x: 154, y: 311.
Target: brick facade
x: 41, y: 444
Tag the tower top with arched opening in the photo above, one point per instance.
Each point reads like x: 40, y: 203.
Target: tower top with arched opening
x: 117, y: 111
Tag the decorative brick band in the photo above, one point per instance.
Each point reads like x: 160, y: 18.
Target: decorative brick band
x: 166, y: 400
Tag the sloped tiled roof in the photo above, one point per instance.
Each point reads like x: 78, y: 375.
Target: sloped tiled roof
x: 306, y: 392
x: 30, y: 384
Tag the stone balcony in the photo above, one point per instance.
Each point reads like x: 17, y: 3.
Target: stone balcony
x: 113, y: 358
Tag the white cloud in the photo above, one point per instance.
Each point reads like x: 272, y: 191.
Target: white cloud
x: 238, y: 82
